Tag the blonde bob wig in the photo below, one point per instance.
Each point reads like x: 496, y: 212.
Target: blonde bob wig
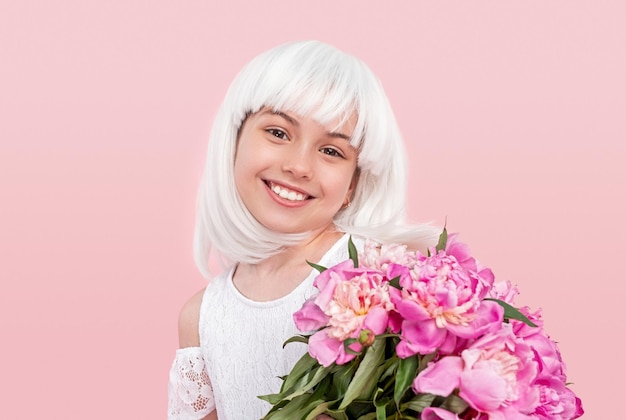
x: 314, y: 79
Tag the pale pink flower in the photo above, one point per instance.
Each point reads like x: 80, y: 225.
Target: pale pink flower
x: 351, y: 301
x: 379, y: 257
x: 504, y: 291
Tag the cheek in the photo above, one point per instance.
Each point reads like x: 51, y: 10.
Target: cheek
x: 342, y: 184
x: 244, y: 158
x: 242, y: 171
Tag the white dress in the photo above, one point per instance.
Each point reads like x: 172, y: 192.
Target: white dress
x: 241, y: 352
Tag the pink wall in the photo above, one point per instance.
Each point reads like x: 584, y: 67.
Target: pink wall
x: 513, y: 113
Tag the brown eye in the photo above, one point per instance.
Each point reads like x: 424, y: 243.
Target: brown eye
x: 331, y: 152
x: 278, y: 133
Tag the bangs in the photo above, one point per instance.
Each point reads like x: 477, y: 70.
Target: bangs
x: 312, y: 80
x: 317, y: 80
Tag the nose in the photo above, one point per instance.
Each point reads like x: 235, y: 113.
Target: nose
x: 298, y: 162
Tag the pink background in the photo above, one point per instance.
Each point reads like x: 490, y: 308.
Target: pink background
x: 513, y: 113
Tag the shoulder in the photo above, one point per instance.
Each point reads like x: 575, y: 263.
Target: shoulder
x: 188, y: 321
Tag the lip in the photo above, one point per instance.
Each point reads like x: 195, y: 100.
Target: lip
x: 284, y: 201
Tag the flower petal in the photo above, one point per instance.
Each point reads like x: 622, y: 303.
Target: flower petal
x: 436, y: 413
x: 483, y: 389
x: 376, y: 320
x: 441, y: 377
x: 310, y: 317
x: 410, y: 310
x: 324, y: 348
x: 422, y: 337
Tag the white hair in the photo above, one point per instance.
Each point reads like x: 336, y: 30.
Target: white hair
x: 313, y: 79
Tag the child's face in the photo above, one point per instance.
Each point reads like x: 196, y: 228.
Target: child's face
x: 292, y: 173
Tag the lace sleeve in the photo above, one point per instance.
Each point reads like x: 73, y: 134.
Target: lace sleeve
x: 190, y: 395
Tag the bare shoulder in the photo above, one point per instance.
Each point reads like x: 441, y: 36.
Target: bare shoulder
x: 188, y: 321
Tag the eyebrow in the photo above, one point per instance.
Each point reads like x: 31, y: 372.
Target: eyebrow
x: 295, y: 122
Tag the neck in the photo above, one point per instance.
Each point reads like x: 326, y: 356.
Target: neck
x: 312, y: 249
x: 278, y: 275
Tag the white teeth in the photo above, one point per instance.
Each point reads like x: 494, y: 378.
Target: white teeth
x: 287, y: 194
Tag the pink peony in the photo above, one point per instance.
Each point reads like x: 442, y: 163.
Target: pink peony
x: 504, y: 291
x: 523, y: 330
x: 351, y: 301
x: 379, y: 257
x: 493, y: 375
x: 442, y: 299
x: 546, y: 350
x: 310, y: 317
x: 547, y: 355
x: 556, y: 401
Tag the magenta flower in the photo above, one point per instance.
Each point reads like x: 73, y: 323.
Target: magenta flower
x: 547, y: 355
x: 442, y: 300
x: 493, y: 375
x: 353, y: 303
x: 557, y: 401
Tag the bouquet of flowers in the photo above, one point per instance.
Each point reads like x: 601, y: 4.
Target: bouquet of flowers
x: 402, y: 335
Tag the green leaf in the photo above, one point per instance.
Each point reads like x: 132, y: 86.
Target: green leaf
x: 511, y: 312
x: 381, y: 404
x: 418, y: 403
x: 443, y: 240
x: 302, y: 367
x: 298, y: 408
x: 390, y: 367
x: 366, y: 376
x: 339, y: 414
x: 297, y: 339
x: 306, y: 384
x: 407, y: 371
x: 347, y: 349
x: 342, y: 376
x: 321, y: 390
x: 381, y: 410
x: 320, y: 409
x: 276, y: 407
x: 319, y: 268
x: 425, y: 359
x: 455, y: 404
x: 352, y: 252
x: 271, y: 398
x: 360, y: 408
x: 395, y: 282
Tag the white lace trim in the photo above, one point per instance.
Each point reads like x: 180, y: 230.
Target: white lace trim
x: 190, y: 393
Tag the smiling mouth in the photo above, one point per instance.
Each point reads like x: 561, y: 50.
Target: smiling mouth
x: 286, y: 193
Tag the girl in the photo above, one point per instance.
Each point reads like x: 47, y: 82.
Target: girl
x: 304, y: 151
